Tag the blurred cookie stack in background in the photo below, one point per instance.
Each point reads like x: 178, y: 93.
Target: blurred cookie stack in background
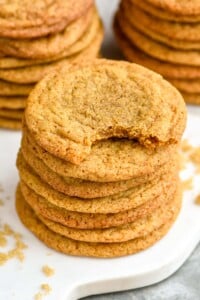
x: 165, y: 37
x: 37, y: 37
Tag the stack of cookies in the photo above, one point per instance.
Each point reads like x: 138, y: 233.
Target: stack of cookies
x: 98, y: 162
x: 35, y: 38
x: 165, y: 37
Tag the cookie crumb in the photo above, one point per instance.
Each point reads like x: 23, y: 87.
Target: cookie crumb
x: 1, y: 202
x: 48, y: 271
x: 197, y: 200
x: 188, y: 184
x: 17, y: 251
x: 38, y: 296
x: 46, y: 288
x: 195, y: 158
x: 185, y: 146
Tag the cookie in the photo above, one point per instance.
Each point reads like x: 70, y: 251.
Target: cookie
x: 172, y: 30
x: 32, y: 74
x: 28, y: 15
x: 48, y: 46
x: 109, y: 161
x: 72, y: 247
x: 40, y: 173
x: 88, y: 220
x: 127, y: 22
x: 94, y: 29
x: 159, y: 50
x: 71, y: 135
x: 163, y: 14
x: 121, y: 201
x: 12, y: 102
x: 10, y: 123
x: 191, y: 97
x: 169, y: 70
x: 140, y: 227
x: 187, y: 86
x: 11, y: 113
x: 12, y: 89
x: 182, y: 7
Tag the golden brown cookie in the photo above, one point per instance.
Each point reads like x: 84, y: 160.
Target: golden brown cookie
x: 163, y: 14
x: 34, y: 73
x: 72, y: 247
x: 126, y: 21
x: 12, y: 102
x: 83, y: 188
x: 180, y: 7
x: 169, y: 70
x: 186, y: 85
x: 121, y: 201
x: 174, y: 30
x: 109, y: 161
x: 12, y: 89
x: 11, y: 113
x: 89, y: 220
x: 157, y: 49
x: 26, y: 15
x: 107, y: 112
x: 191, y: 97
x: 48, y: 46
x: 10, y: 123
x: 141, y: 227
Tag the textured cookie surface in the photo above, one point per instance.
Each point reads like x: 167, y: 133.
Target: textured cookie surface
x: 92, y: 220
x: 11, y: 113
x: 12, y: 102
x: 72, y: 247
x: 108, y: 161
x: 24, y: 14
x: 10, y: 123
x: 82, y: 188
x: 34, y: 73
x: 159, y: 50
x: 164, y: 14
x: 140, y: 227
x: 121, y: 201
x: 174, y: 30
x: 68, y: 126
x: 169, y: 70
x: 46, y: 47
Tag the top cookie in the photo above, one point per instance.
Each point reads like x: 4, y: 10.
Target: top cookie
x: 74, y: 108
x: 182, y: 7
x: 18, y: 14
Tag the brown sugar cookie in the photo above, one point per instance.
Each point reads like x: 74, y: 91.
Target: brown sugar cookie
x: 12, y: 102
x: 159, y: 50
x: 48, y: 46
x: 82, y: 188
x: 11, y: 113
x: 163, y: 14
x: 188, y: 86
x: 72, y: 247
x: 181, y: 7
x: 10, y: 123
x: 12, y: 89
x: 140, y: 227
x: 127, y: 22
x: 71, y: 134
x: 34, y: 73
x: 174, y: 30
x: 109, y: 160
x: 121, y: 201
x: 191, y: 97
x: 169, y: 70
x: 89, y: 220
x: 27, y: 15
